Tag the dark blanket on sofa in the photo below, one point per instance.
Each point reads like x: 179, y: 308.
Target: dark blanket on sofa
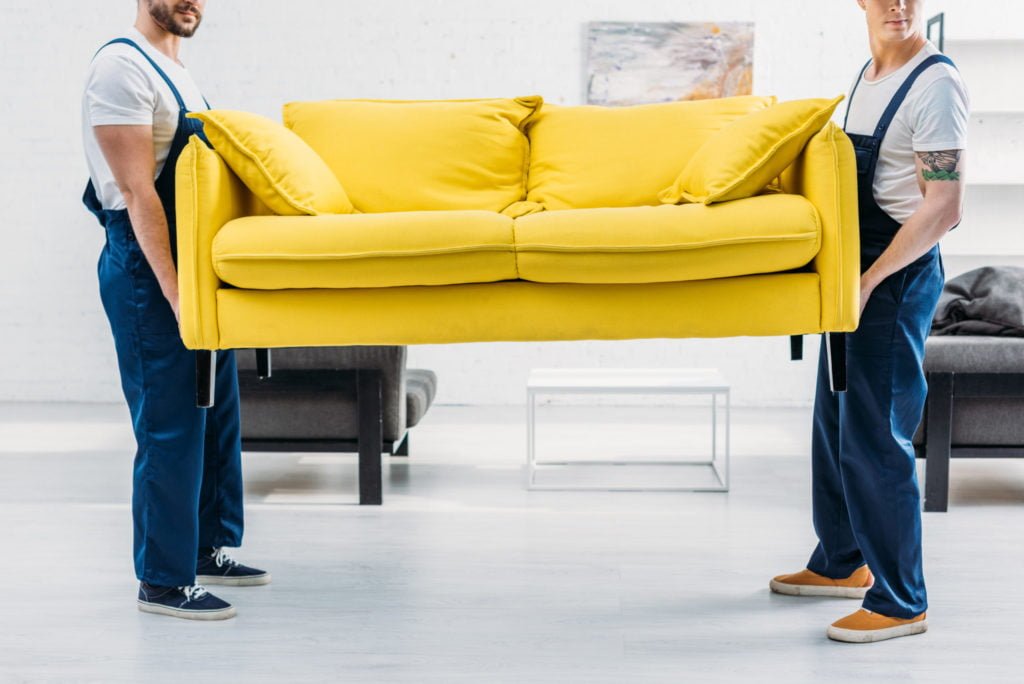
x: 985, y: 301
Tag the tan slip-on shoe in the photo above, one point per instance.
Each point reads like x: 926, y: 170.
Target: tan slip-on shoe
x: 807, y: 583
x: 865, y: 627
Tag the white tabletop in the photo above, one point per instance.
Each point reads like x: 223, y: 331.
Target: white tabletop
x: 653, y: 380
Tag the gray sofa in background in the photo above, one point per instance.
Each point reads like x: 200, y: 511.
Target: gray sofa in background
x: 347, y: 399
x: 975, y: 406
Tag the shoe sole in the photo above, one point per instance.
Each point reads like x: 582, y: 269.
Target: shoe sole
x: 220, y: 614
x: 868, y: 636
x: 815, y: 590
x: 253, y: 581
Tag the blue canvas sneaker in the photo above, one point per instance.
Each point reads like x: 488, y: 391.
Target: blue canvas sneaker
x: 215, y: 566
x: 190, y: 603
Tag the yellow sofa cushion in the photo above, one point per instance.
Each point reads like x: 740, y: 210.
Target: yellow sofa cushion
x: 421, y: 155
x: 743, y: 157
x: 365, y: 250
x: 275, y: 164
x: 588, y: 156
x: 762, y: 234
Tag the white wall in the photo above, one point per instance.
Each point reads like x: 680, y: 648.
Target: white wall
x: 257, y: 54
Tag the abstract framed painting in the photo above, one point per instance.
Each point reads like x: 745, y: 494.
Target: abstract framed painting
x: 639, y: 63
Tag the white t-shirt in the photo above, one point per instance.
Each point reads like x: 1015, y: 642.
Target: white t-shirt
x: 932, y: 118
x: 123, y: 88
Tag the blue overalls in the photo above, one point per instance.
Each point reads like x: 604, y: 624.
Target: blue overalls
x: 865, y: 493
x: 187, y: 490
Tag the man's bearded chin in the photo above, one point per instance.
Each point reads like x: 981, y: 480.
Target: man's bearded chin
x: 164, y: 17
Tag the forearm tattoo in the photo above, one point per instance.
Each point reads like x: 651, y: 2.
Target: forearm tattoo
x: 941, y: 166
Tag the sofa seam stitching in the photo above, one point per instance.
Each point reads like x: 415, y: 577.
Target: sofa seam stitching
x: 538, y: 247
x: 515, y: 251
x: 839, y: 233
x: 195, y: 242
x: 367, y: 255
x: 530, y: 247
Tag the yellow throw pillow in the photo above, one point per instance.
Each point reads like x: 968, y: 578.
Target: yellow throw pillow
x: 746, y: 155
x: 277, y: 165
x: 590, y: 156
x: 395, y: 155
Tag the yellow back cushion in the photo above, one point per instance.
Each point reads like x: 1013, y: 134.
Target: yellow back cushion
x: 592, y: 156
x: 421, y: 155
x: 275, y: 164
x: 744, y: 156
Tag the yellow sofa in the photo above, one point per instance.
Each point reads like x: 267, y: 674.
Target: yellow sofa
x: 548, y: 227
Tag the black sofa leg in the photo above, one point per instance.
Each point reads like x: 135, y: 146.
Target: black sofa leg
x: 403, y: 447
x: 796, y: 347
x: 835, y: 347
x: 263, y: 366
x: 371, y: 436
x: 206, y: 373
x: 937, y: 437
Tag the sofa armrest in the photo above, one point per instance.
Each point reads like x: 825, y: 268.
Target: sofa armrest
x: 826, y: 174
x: 207, y: 195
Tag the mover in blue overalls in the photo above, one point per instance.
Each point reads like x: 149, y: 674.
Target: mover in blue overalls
x: 187, y: 495
x: 866, y: 501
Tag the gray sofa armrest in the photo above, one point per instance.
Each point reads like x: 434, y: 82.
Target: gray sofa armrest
x: 390, y: 360
x: 979, y: 421
x: 421, y: 388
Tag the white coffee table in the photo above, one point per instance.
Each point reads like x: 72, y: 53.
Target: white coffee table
x: 646, y: 381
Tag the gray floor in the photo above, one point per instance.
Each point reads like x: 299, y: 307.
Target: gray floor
x: 463, y: 576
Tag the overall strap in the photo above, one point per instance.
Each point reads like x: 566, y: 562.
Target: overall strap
x: 901, y: 94
x: 849, y: 102
x: 170, y: 84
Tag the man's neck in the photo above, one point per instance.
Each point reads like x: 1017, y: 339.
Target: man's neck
x: 887, y: 57
x: 164, y: 41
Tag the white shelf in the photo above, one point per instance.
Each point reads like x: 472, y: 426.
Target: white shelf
x: 1005, y: 117
x: 991, y: 70
x: 995, y: 148
x: 974, y: 181
x: 961, y: 45
x: 995, y: 113
x: 993, y: 222
x: 1011, y: 193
